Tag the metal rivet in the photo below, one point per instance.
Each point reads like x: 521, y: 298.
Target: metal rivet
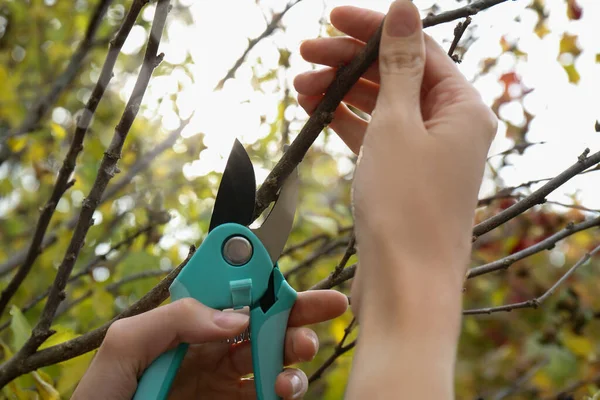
x: 237, y: 250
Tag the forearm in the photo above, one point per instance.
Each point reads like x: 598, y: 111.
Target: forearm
x: 409, y: 308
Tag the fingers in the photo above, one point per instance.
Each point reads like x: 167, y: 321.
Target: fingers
x: 357, y: 22
x: 131, y: 344
x: 301, y: 345
x: 362, y: 95
x: 345, y: 123
x: 402, y: 59
x: 291, y: 384
x: 315, y: 306
x: 336, y: 51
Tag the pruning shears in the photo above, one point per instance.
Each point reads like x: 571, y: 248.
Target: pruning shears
x: 236, y: 267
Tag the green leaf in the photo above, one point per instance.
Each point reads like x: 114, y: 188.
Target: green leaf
x: 20, y: 328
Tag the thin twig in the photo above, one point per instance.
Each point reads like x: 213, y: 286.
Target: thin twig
x: 563, y: 394
x: 537, y: 301
x: 91, y: 340
x: 332, y: 281
x: 524, y: 378
x: 140, y: 165
x: 346, y: 77
x: 115, y: 286
x: 108, y: 168
x: 546, y: 244
x: 339, y: 350
x: 323, y: 251
x: 128, y: 241
x: 459, y: 31
x: 538, y: 197
x: 267, y: 32
x: 63, y: 181
x: 41, y: 107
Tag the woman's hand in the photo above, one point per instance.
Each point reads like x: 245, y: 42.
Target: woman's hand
x: 211, y: 368
x: 421, y: 162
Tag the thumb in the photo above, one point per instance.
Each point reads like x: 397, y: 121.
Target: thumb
x: 402, y: 56
x: 131, y: 344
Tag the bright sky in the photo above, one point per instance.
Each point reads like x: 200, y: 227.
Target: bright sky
x: 565, y: 113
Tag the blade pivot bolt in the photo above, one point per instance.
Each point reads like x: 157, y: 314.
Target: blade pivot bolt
x: 237, y: 250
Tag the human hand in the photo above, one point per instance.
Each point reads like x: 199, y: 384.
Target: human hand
x: 211, y: 368
x: 423, y: 151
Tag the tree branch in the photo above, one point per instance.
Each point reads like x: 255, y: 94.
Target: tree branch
x: 108, y: 168
x: 546, y: 244
x: 324, y: 250
x: 332, y: 281
x: 339, y: 350
x: 18, y: 366
x: 346, y: 77
x: 267, y: 32
x: 114, y: 287
x: 584, y: 162
x: 63, y: 181
x: 537, y: 301
x: 140, y: 165
x: 128, y: 241
x: 41, y: 107
x: 459, y: 31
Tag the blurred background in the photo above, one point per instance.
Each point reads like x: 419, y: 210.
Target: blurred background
x: 228, y: 73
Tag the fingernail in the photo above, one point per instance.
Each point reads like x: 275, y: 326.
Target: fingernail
x: 315, y: 340
x: 402, y: 19
x: 296, y: 385
x: 229, y: 320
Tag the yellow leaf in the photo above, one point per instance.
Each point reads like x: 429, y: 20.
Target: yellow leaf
x: 58, y: 131
x: 72, y: 371
x: 579, y: 345
x: 17, y: 144
x: 572, y: 73
x: 44, y: 388
x: 338, y: 328
x: 542, y: 381
x: 62, y: 334
x: 568, y: 44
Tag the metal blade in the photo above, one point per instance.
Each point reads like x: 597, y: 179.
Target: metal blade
x: 274, y: 232
x: 237, y: 191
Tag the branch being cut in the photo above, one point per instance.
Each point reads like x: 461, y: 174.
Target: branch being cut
x: 546, y: 244
x: 537, y: 301
x: 63, y: 181
x: 346, y: 77
x: 41, y: 107
x: 267, y: 32
x: 18, y: 366
x: 108, y: 168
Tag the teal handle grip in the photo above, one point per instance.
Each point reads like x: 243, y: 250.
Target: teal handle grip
x: 267, y: 332
x: 156, y: 382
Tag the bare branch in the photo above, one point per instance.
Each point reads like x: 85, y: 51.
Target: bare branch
x: 564, y: 393
x: 346, y: 77
x: 459, y: 31
x: 339, y: 350
x: 108, y: 168
x: 267, y: 32
x: 332, y: 281
x: 128, y: 241
x: 538, y: 197
x: 323, y: 251
x: 63, y: 181
x: 140, y: 165
x: 524, y: 378
x: 537, y: 301
x: 546, y: 244
x: 82, y: 344
x: 114, y: 287
x: 41, y: 107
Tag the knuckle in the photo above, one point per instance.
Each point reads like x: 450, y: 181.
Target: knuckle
x: 184, y: 307
x: 115, y: 333
x: 401, y: 62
